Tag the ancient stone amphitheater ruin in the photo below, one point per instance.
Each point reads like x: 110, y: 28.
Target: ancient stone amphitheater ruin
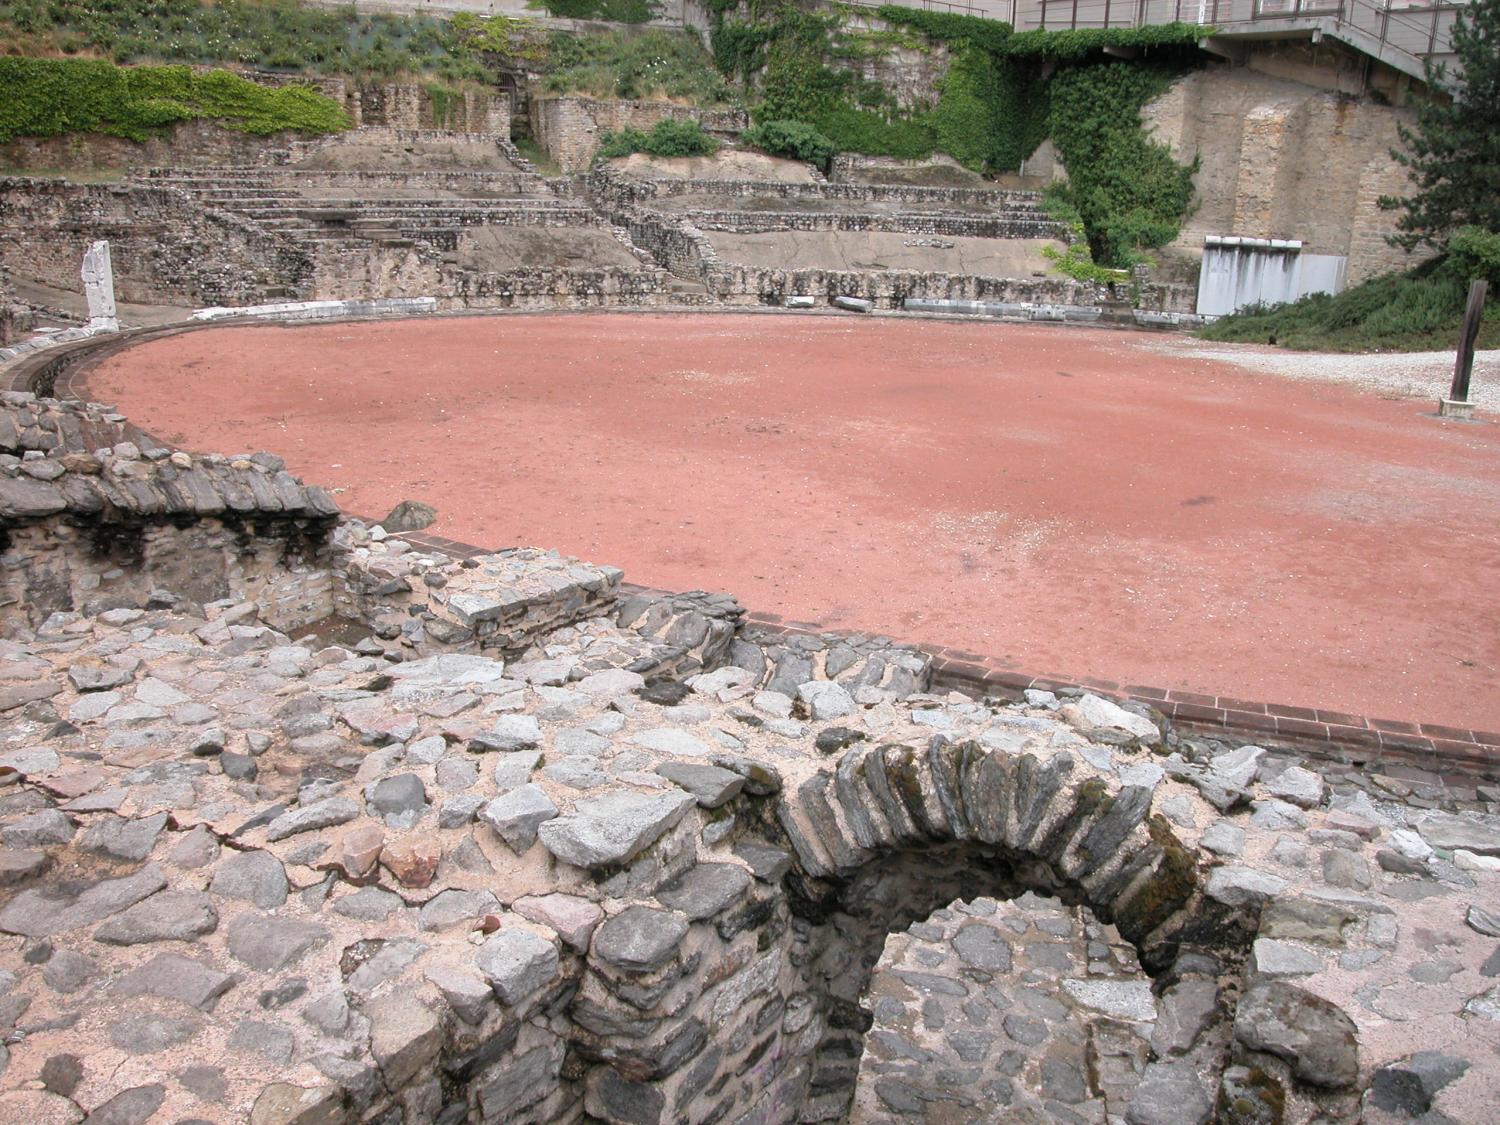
x: 466, y: 221
x: 305, y: 822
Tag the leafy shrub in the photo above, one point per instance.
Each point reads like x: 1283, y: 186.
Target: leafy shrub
x: 53, y: 97
x: 668, y: 137
x: 1128, y: 190
x: 946, y: 27
x: 796, y: 140
x: 616, y: 11
x: 1475, y: 253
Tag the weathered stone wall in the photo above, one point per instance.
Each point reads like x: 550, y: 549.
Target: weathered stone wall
x: 400, y: 107
x: 394, y: 271
x: 95, y: 516
x: 408, y: 106
x: 165, y: 248
x: 14, y: 320
x: 889, y: 288
x: 433, y: 163
x: 678, y: 246
x: 568, y: 127
x: 623, y: 190
x: 185, y: 145
x: 962, y: 226
x: 1282, y: 160
x: 909, y: 71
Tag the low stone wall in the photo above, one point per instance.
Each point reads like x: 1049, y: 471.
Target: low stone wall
x: 889, y: 288
x: 188, y: 144
x: 500, y: 605
x: 373, y: 272
x: 95, y: 516
x: 643, y: 191
x: 680, y: 247
x: 568, y: 127
x: 952, y: 226
x: 166, y: 249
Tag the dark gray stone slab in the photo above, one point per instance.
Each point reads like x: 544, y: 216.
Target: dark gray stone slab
x: 705, y: 890
x: 175, y: 977
x: 270, y: 944
x: 639, y: 939
x: 167, y: 916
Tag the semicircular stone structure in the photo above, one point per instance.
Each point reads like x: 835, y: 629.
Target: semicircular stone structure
x: 481, y: 839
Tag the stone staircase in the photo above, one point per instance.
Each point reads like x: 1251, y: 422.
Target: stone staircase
x: 349, y: 208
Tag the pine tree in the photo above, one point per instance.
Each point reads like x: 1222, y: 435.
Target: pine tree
x: 1454, y: 151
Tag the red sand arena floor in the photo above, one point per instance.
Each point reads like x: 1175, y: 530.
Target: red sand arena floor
x: 1073, y: 501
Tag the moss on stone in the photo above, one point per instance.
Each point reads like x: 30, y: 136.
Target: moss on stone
x: 1168, y: 890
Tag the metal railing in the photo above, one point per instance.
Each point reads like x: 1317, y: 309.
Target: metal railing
x: 1418, y: 30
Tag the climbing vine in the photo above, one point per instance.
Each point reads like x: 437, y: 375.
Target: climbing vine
x: 1002, y: 95
x: 1127, y: 188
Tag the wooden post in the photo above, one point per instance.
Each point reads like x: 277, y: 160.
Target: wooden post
x: 1463, y: 362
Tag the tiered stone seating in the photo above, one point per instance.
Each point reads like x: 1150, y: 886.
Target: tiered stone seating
x: 350, y: 207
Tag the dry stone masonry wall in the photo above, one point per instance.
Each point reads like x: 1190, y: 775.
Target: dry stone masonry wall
x: 164, y: 247
x: 569, y: 127
x: 95, y: 515
x: 500, y: 840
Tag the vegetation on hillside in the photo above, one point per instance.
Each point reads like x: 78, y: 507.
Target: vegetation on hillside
x: 267, y: 34
x: 614, y: 11
x: 51, y: 97
x: 1002, y: 94
x: 794, y: 140
x: 654, y: 63
x: 281, y: 35
x: 666, y: 138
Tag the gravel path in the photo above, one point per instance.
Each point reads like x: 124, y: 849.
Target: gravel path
x: 1407, y: 374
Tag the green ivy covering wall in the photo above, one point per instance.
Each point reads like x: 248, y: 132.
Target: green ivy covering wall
x: 1002, y: 95
x: 52, y: 97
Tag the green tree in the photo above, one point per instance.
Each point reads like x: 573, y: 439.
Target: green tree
x: 1454, y: 151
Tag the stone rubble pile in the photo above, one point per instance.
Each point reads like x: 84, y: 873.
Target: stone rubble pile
x: 441, y: 887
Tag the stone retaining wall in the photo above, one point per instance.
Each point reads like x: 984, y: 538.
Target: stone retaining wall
x: 188, y: 144
x: 165, y: 248
x: 952, y: 226
x: 373, y: 272
x: 568, y: 127
x: 94, y: 515
x: 631, y: 190
x: 889, y: 288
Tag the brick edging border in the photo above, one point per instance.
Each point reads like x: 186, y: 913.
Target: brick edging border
x: 1453, y: 755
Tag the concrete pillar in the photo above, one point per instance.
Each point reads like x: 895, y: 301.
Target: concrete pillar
x: 99, y: 288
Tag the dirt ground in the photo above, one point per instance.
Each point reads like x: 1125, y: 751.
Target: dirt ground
x: 885, y: 250
x: 1072, y: 500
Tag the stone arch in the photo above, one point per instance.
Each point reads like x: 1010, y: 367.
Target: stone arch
x: 893, y: 832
